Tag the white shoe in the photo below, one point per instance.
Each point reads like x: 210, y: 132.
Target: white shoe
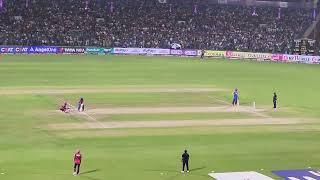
x: 182, y: 171
x: 188, y: 171
x: 74, y: 173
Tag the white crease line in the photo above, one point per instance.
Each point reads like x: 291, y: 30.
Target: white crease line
x: 225, y: 102
x: 252, y: 111
x: 86, y: 114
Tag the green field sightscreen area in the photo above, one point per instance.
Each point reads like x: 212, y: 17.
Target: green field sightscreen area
x: 143, y: 111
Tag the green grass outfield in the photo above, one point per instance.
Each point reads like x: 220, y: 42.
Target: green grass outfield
x: 31, y: 151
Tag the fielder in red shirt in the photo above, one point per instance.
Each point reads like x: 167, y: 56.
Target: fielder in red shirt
x: 77, y: 161
x: 64, y: 107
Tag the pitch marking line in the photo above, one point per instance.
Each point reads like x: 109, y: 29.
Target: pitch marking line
x: 225, y: 102
x: 90, y: 118
x: 250, y: 110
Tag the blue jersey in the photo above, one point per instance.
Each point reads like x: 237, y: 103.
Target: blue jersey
x: 235, y: 95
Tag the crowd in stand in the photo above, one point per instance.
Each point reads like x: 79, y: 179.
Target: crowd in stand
x: 141, y: 23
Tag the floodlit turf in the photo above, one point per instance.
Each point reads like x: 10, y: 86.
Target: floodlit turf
x: 29, y: 150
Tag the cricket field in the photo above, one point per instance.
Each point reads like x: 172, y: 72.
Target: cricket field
x: 142, y: 112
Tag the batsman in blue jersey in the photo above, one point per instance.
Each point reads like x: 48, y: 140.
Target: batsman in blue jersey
x: 235, y: 97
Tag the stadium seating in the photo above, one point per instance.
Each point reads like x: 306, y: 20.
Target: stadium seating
x: 139, y: 23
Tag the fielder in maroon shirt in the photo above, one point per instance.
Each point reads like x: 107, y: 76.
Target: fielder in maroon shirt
x: 77, y: 161
x: 64, y: 107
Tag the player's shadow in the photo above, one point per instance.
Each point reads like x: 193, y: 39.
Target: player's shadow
x: 91, y: 178
x: 197, y: 169
x: 176, y: 173
x: 163, y: 170
x: 90, y: 171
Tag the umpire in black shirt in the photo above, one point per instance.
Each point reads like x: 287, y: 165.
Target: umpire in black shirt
x: 202, y: 54
x: 185, y: 161
x: 275, y: 98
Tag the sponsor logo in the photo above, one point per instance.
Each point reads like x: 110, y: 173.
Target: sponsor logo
x: 107, y: 50
x: 42, y: 49
x: 134, y: 51
x: 14, y: 50
x: 277, y: 57
x: 21, y: 50
x: 176, y: 52
x: 183, y: 52
x: 310, y: 59
x: 299, y: 174
x: 163, y: 51
x: 149, y: 51
x: 125, y: 51
x: 140, y: 51
x: 236, y: 55
x: 72, y: 50
x: 209, y: 53
x: 8, y: 50
x: 190, y: 52
x: 95, y: 50
x: 292, y: 58
x: 250, y: 175
x: 259, y: 56
x: 120, y: 50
